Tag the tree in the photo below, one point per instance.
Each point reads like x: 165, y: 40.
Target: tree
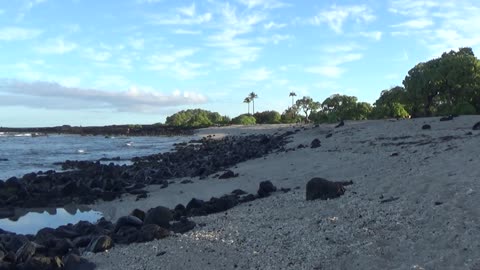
x: 195, y: 118
x: 252, y: 97
x: 341, y: 106
x: 292, y: 94
x: 267, y: 117
x: 307, y: 105
x: 440, y: 85
x: 247, y: 100
x: 244, y: 119
x: 290, y: 115
x: 392, y: 103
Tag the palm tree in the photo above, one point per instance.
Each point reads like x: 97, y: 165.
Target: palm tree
x: 252, y: 97
x: 247, y: 100
x: 292, y: 94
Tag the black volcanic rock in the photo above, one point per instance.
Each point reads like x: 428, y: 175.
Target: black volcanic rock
x: 319, y: 188
x: 265, y: 188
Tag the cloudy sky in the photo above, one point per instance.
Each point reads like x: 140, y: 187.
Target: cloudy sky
x: 89, y: 62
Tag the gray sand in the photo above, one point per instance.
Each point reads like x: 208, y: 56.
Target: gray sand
x: 355, y: 231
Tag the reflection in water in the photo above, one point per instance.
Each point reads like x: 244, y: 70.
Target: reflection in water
x: 29, y: 221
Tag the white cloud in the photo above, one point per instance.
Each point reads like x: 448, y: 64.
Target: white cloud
x: 179, y: 19
x: 187, y: 11
x: 336, y: 16
x: 327, y: 71
x: 187, y: 32
x: 375, y: 35
x: 273, y: 25
x: 99, y: 56
x: 266, y: 4
x: 257, y: 75
x: 275, y: 39
x: 18, y: 33
x: 149, y: 1
x: 56, y: 46
x: 137, y: 43
x: 175, y: 63
x: 419, y: 23
x: 47, y: 95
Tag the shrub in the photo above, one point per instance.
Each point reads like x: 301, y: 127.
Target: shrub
x: 244, y: 119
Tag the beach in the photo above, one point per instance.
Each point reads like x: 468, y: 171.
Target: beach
x: 413, y: 203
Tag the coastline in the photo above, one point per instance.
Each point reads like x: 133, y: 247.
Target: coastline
x: 412, y: 204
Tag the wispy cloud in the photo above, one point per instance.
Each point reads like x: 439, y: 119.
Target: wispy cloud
x: 336, y: 16
x: 47, y: 95
x: 256, y: 75
x: 2, y: 11
x: 187, y: 32
x: 333, y: 68
x: 98, y: 56
x: 56, y: 46
x: 188, y: 11
x: 175, y: 62
x: 183, y: 16
x: 266, y: 4
x: 375, y: 35
x: 18, y: 33
x: 27, y: 7
x: 273, y: 25
x: 137, y: 43
x: 419, y: 23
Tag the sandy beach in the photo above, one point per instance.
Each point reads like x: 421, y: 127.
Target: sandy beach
x: 413, y: 204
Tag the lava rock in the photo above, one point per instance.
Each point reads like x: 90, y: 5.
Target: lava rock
x: 329, y: 135
x: 319, y: 188
x: 75, y: 262
x: 228, y: 174
x: 426, y: 126
x: 265, y: 188
x: 100, y: 244
x: 25, y: 252
x: 138, y: 213
x: 476, y: 126
x: 128, y: 221
x: 160, y: 216
x: 341, y: 124
x: 149, y: 232
x: 315, y: 143
x: 183, y: 226
x: 447, y: 118
x: 194, y: 204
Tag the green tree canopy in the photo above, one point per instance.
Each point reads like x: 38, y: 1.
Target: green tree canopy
x: 440, y: 85
x: 307, y: 105
x: 267, y: 117
x: 244, y: 119
x: 196, y: 118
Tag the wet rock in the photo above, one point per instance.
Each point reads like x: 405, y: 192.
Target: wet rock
x: 315, y: 143
x: 69, y: 189
x: 319, y: 188
x: 100, y: 244
x: 228, y: 174
x: 12, y: 242
x: 239, y: 192
x: 329, y: 135
x: 160, y: 216
x: 247, y: 198
x: 82, y: 241
x: 7, y: 212
x: 265, y: 188
x: 41, y: 263
x: 126, y: 235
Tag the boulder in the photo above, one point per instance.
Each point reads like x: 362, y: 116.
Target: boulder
x: 319, y: 188
x: 160, y: 216
x: 315, y: 143
x: 183, y: 226
x: 194, y: 203
x: 138, y: 213
x: 25, y: 252
x: 100, y: 244
x: 265, y: 188
x: 128, y: 221
x: 476, y: 126
x: 149, y: 232
x: 426, y: 126
x: 341, y: 124
x: 75, y: 262
x: 446, y: 118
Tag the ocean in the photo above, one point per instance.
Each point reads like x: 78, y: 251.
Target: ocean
x: 24, y: 153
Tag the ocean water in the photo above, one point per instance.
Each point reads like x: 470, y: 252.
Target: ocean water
x: 22, y: 153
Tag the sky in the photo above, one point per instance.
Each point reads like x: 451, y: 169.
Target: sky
x: 90, y: 62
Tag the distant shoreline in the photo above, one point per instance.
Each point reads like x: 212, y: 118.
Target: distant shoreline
x: 128, y: 130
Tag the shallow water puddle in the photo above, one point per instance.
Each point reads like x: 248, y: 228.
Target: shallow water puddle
x: 30, y: 221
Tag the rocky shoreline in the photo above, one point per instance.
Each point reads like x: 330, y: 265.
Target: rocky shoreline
x: 85, y: 182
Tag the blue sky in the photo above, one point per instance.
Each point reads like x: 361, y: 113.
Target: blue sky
x: 89, y: 62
